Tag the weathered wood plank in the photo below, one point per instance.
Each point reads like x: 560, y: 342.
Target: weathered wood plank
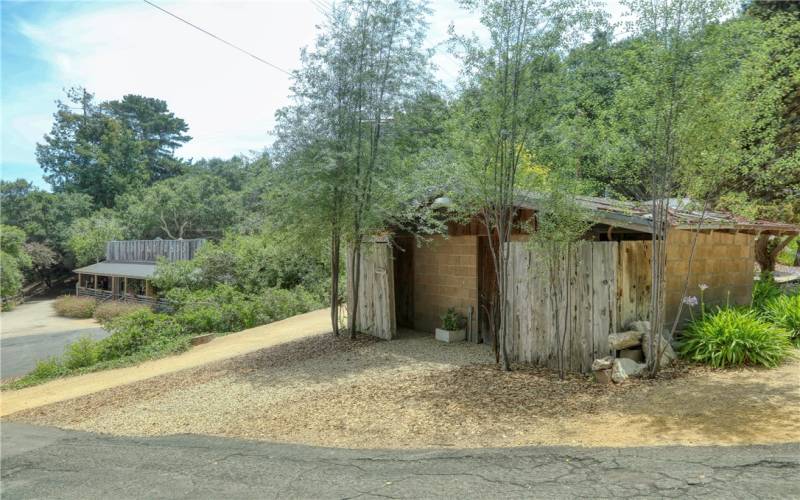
x: 376, y: 306
x: 151, y: 250
x: 588, y: 309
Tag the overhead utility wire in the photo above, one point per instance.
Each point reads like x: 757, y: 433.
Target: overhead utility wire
x: 212, y: 35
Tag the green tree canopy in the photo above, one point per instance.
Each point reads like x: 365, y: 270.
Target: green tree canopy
x: 88, y: 236
x: 107, y: 149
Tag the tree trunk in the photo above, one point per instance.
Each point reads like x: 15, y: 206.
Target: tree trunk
x: 335, y: 260
x: 768, y: 248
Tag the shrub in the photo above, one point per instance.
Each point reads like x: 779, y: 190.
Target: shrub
x: 107, y: 311
x: 75, y: 307
x: 46, y: 369
x: 784, y: 312
x: 139, y: 331
x: 733, y: 337
x: 764, y: 290
x: 80, y: 353
x: 225, y: 309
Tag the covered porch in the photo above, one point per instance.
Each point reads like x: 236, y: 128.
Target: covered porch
x: 127, y: 282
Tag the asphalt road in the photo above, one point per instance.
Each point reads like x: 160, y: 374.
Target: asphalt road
x: 18, y: 355
x: 33, y: 331
x: 40, y: 462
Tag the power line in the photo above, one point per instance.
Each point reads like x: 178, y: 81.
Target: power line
x: 212, y: 35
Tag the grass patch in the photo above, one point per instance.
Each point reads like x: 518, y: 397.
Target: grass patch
x: 75, y: 307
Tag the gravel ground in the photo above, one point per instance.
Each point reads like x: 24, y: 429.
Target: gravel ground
x: 417, y: 393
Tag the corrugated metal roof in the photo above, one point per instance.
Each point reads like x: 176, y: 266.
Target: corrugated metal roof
x: 122, y: 269
x: 683, y: 214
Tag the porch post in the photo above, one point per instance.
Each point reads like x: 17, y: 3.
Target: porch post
x: 125, y: 289
x: 78, y: 286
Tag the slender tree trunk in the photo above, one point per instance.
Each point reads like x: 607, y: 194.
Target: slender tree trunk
x: 768, y: 248
x: 335, y: 272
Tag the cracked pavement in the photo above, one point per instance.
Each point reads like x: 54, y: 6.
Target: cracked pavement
x: 44, y: 462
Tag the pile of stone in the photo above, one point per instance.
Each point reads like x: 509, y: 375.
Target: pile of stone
x: 632, y: 348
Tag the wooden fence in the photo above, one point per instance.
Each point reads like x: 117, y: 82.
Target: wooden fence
x: 376, y: 307
x: 151, y: 250
x: 605, y: 287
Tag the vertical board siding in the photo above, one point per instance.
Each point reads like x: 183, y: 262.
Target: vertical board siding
x: 589, y: 309
x: 634, y: 281
x: 376, y: 308
x: 151, y: 250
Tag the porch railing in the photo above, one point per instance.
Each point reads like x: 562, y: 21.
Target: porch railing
x: 105, y: 295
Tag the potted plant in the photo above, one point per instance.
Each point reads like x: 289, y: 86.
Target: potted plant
x: 452, y: 329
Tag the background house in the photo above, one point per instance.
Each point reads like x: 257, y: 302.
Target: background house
x: 129, y: 267
x: 409, y: 286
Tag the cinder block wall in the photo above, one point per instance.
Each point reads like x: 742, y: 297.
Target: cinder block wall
x: 723, y: 261
x: 445, y: 275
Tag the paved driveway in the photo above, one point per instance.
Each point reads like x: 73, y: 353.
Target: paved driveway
x: 43, y: 462
x: 33, y: 331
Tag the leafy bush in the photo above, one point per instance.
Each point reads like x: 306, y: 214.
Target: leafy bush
x: 784, y: 312
x: 250, y: 263
x: 764, y: 290
x: 107, y: 311
x: 80, y: 353
x: 47, y: 369
x: 733, y: 337
x: 75, y: 307
x: 141, y: 330
x: 225, y: 309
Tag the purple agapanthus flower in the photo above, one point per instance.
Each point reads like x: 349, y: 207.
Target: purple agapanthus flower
x: 703, y: 287
x: 690, y: 301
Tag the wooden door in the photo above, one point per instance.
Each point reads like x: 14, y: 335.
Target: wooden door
x: 487, y: 290
x: 376, y: 305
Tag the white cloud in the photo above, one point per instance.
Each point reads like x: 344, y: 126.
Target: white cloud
x: 227, y: 98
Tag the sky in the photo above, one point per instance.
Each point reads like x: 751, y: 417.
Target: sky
x: 113, y: 48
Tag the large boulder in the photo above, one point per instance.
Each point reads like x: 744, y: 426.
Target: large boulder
x: 624, y: 368
x: 663, y: 346
x: 602, y: 363
x: 623, y: 340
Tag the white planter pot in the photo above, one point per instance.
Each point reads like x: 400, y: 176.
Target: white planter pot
x: 450, y: 335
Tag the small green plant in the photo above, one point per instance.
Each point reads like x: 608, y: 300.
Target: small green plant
x: 452, y: 320
x: 734, y: 337
x: 107, y: 311
x: 764, y: 290
x: 784, y: 312
x: 75, y: 307
x: 46, y: 369
x: 80, y: 354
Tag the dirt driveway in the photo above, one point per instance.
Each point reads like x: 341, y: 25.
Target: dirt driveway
x: 417, y: 393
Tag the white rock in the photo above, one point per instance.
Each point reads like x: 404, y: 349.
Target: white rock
x: 622, y: 340
x: 640, y: 326
x: 667, y: 352
x: 602, y: 363
x: 624, y: 368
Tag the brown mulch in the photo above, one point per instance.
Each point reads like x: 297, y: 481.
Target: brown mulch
x: 417, y: 393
